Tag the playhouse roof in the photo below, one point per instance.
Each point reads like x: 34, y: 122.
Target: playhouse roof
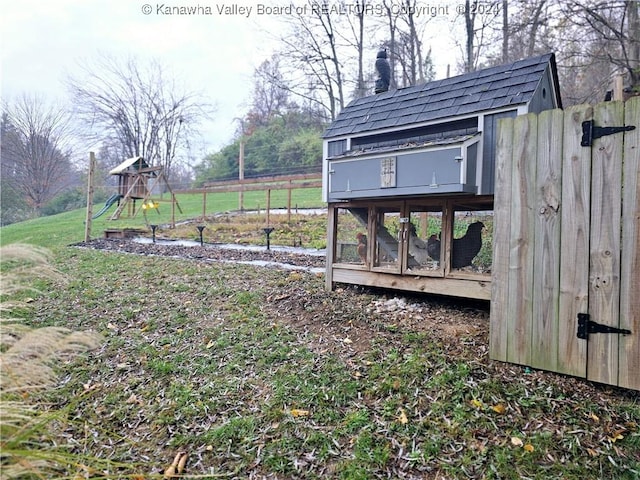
x: 492, y: 88
x: 136, y: 162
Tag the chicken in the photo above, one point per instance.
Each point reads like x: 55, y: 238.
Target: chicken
x: 433, y: 247
x: 418, y: 249
x: 362, y: 246
x: 465, y: 248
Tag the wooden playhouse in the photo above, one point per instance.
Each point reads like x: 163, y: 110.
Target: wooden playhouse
x: 137, y: 180
x: 408, y: 176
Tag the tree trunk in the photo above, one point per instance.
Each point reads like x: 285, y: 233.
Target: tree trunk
x: 469, y: 19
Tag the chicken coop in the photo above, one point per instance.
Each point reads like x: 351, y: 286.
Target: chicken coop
x: 408, y: 177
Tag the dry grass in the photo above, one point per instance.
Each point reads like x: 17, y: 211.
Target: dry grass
x: 27, y: 358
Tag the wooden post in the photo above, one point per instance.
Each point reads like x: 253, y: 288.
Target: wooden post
x: 204, y: 205
x: 87, y: 223
x: 332, y: 231
x: 289, y: 201
x: 268, y: 204
x: 618, y: 88
x: 241, y: 176
x: 173, y: 210
x: 629, y: 376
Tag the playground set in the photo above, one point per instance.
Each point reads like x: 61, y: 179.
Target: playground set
x: 137, y: 180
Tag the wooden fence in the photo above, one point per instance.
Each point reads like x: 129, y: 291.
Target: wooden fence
x: 266, y: 184
x: 566, y: 261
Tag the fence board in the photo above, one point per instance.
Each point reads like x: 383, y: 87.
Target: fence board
x: 546, y: 267
x: 574, y: 241
x: 604, y: 268
x: 630, y: 248
x: 520, y: 277
x: 501, y: 235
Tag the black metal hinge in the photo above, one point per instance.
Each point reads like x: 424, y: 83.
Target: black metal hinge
x: 590, y: 132
x: 587, y: 326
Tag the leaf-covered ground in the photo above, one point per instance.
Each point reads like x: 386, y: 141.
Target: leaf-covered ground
x: 258, y: 372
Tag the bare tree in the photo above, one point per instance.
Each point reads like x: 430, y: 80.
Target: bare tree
x: 480, y: 19
x: 404, y: 41
x: 356, y: 39
x: 138, y: 105
x: 613, y: 26
x: 36, y: 149
x: 270, y: 95
x: 314, y: 67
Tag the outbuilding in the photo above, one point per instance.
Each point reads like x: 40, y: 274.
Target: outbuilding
x: 409, y: 178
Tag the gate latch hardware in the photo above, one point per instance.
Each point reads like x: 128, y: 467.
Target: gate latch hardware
x: 590, y: 132
x: 586, y: 326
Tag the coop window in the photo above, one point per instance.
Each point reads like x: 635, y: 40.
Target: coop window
x: 387, y: 226
x: 418, y: 135
x: 472, y: 246
x: 424, y: 235
x: 352, y: 236
x: 336, y: 147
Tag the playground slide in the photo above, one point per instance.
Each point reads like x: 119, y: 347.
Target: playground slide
x: 110, y: 201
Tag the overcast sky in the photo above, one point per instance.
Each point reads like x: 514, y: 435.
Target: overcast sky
x: 44, y: 40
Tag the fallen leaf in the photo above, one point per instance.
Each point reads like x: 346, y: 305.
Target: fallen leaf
x: 476, y: 403
x: 499, y: 408
x: 347, y: 341
x: 295, y: 276
x: 134, y: 399
x: 529, y: 448
x: 295, y: 412
x: 402, y: 418
x: 594, y: 417
x: 517, y: 442
x: 177, y: 466
x: 615, y: 437
x: 210, y: 344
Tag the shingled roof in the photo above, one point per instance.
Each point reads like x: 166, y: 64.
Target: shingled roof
x: 492, y: 88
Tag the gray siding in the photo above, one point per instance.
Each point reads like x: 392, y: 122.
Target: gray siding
x: 427, y: 172
x: 543, y: 96
x: 489, y: 136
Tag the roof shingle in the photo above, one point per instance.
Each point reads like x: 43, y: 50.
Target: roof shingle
x: 491, y: 88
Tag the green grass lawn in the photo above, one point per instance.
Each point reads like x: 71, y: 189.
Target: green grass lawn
x: 260, y: 373
x: 69, y: 227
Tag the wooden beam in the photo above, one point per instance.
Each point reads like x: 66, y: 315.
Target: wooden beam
x: 89, y: 217
x: 574, y: 241
x: 256, y: 187
x: 478, y: 289
x: 629, y: 376
x: 604, y: 245
x: 520, y: 247
x: 501, y: 235
x: 546, y: 266
x: 268, y: 179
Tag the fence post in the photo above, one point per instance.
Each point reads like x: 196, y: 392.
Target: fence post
x: 92, y: 168
x: 268, y: 204
x: 204, y: 205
